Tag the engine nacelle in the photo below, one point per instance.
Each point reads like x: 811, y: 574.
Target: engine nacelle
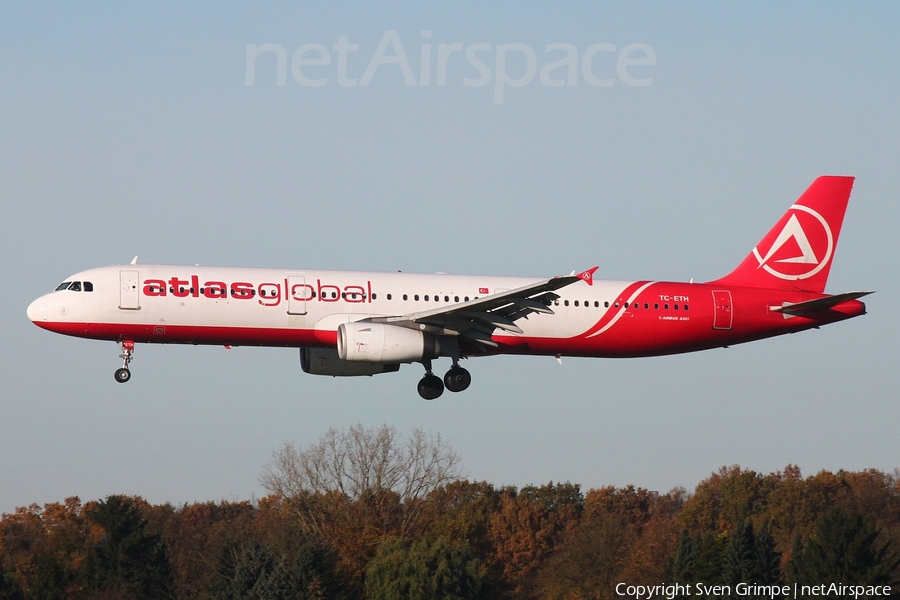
x: 380, y: 343
x: 325, y: 361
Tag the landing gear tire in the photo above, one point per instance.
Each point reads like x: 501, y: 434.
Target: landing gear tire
x: 122, y: 375
x: 457, y: 379
x: 430, y: 387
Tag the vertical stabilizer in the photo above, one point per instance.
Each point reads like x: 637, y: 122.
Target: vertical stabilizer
x: 797, y: 252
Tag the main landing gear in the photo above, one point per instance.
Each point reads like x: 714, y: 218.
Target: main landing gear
x: 123, y: 375
x: 456, y: 380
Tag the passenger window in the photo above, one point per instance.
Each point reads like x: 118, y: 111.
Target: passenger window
x: 447, y: 299
x: 606, y: 304
x: 576, y: 303
x: 456, y: 298
x: 467, y: 298
x: 666, y: 306
x: 596, y: 304
x: 416, y: 297
x: 656, y: 306
x: 685, y: 307
x: 426, y: 298
x: 626, y: 305
x: 405, y: 297
x: 646, y: 306
x: 62, y: 286
x: 388, y: 296
x: 76, y: 286
x: 566, y: 302
x: 676, y: 307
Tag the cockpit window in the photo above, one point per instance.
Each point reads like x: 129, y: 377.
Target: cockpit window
x: 75, y: 286
x: 88, y: 286
x: 62, y: 286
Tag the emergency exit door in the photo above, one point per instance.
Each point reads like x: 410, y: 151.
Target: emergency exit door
x: 722, y: 315
x: 298, y: 293
x: 129, y: 290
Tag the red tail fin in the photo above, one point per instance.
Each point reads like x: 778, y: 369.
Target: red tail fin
x: 797, y: 253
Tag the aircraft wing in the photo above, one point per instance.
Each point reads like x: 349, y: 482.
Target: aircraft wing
x: 476, y: 320
x: 817, y: 305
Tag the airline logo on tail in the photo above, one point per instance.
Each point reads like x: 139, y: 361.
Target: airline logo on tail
x: 801, y: 249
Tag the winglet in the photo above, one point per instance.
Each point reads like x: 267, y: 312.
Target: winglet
x: 588, y: 276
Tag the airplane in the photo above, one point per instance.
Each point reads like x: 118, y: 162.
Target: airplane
x: 354, y: 323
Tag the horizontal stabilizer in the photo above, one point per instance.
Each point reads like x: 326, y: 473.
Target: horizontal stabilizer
x: 817, y: 305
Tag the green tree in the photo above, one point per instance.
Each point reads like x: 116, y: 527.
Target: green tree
x: 257, y: 576
x: 313, y: 573
x: 425, y: 570
x: 845, y: 547
x: 751, y: 558
x: 128, y: 561
x: 9, y: 589
x: 740, y: 564
x: 683, y: 564
x: 768, y: 558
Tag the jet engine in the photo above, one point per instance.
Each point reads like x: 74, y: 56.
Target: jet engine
x: 325, y: 361
x: 380, y: 343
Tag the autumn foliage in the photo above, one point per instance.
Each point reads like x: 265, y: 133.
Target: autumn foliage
x: 459, y: 539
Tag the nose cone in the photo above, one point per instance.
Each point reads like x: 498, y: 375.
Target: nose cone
x: 37, y: 310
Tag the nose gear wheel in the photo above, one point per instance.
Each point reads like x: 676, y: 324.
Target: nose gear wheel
x: 124, y: 374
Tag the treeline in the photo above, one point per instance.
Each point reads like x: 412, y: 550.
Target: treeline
x: 421, y: 532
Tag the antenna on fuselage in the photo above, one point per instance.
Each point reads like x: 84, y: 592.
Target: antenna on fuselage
x: 134, y: 260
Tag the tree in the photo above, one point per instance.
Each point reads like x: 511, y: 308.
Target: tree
x: 589, y: 561
x: 768, y: 558
x: 257, y: 576
x: 359, y: 460
x: 128, y: 561
x: 425, y: 570
x: 740, y: 564
x: 358, y: 487
x: 364, y: 464
x: 683, y: 564
x: 9, y: 589
x: 528, y: 526
x: 845, y: 547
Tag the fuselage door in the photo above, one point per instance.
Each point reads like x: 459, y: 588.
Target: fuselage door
x: 722, y: 315
x: 298, y: 293
x: 129, y: 287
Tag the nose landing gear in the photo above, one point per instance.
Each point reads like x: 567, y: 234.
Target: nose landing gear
x: 123, y: 375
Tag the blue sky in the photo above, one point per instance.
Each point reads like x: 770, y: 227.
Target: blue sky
x: 128, y: 129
